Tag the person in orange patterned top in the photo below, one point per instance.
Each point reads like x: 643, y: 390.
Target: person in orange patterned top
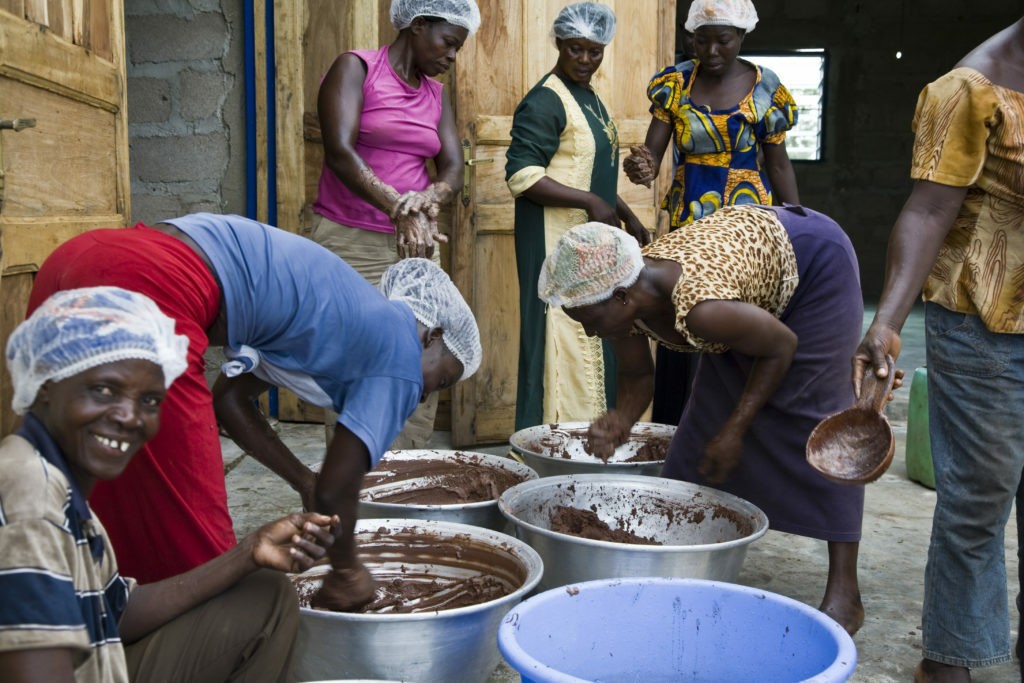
x: 960, y: 238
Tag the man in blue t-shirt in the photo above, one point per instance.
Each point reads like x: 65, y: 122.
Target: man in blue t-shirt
x: 289, y: 313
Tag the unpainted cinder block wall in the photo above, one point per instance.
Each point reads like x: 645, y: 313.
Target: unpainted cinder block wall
x: 186, y: 98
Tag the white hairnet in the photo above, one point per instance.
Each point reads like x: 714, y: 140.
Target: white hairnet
x: 588, y: 263
x: 462, y: 13
x: 738, y: 13
x: 436, y: 302
x: 587, y: 20
x: 79, y: 329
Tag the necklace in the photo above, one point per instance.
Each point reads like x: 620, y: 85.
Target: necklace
x: 606, y: 124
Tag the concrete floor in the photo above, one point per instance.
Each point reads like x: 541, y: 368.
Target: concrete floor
x: 897, y: 524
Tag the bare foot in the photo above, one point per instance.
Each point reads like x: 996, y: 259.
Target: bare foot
x: 929, y: 671
x: 847, y: 610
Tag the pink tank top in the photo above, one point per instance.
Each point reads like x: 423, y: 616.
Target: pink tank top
x: 397, y: 134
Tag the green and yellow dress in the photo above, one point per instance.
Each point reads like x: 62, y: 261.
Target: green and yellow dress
x: 563, y: 131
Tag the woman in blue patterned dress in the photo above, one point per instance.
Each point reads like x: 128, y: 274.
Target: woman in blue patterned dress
x: 728, y: 120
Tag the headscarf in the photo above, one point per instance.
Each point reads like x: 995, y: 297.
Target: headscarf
x: 462, y: 13
x: 737, y: 13
x: 78, y: 329
x: 588, y: 20
x: 589, y: 262
x: 436, y: 302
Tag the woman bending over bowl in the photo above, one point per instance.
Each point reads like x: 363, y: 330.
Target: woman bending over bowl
x: 771, y: 297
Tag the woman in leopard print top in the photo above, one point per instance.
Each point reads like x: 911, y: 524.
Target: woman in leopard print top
x: 771, y: 296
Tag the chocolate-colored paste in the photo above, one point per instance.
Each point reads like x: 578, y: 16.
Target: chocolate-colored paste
x: 418, y: 571
x: 635, y: 510
x: 433, y: 481
x: 586, y: 524
x: 655, y: 449
x: 574, y: 444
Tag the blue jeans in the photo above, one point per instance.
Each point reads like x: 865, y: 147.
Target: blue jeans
x: 975, y: 401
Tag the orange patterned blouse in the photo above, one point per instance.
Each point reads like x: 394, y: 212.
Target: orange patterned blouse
x: 970, y: 133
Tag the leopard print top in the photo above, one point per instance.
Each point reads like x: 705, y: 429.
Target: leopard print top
x: 738, y: 253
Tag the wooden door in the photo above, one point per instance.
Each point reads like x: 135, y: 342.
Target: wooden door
x: 494, y: 70
x: 63, y: 140
x: 308, y: 36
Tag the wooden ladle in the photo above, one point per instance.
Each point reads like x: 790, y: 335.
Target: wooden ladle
x: 855, y: 446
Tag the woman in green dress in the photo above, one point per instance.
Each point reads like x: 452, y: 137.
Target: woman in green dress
x: 562, y: 168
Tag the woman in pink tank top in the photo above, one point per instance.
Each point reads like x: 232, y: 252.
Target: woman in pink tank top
x: 382, y: 116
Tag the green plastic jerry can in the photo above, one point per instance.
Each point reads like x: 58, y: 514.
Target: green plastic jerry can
x: 919, y: 452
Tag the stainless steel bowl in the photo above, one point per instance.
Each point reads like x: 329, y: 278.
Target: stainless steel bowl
x: 559, y: 448
x: 482, y: 513
x: 457, y: 644
x: 704, y: 532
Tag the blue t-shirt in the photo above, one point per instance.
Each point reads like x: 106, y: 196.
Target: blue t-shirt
x: 307, y: 311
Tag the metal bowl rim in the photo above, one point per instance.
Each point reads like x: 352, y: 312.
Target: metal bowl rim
x: 597, y: 467
x: 638, y: 481
x: 530, y: 558
x: 657, y: 429
x: 447, y: 455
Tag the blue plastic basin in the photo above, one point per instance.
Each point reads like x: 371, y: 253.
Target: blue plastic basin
x: 661, y: 629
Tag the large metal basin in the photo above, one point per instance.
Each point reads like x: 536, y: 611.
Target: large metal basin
x: 560, y: 448
x: 443, y: 646
x: 704, y: 532
x: 481, y: 513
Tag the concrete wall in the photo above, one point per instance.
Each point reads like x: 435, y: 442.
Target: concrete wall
x: 185, y: 107
x: 863, y: 180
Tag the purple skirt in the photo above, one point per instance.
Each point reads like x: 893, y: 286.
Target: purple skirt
x: 826, y: 313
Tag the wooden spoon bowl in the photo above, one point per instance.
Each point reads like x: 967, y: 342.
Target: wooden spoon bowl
x: 856, y: 445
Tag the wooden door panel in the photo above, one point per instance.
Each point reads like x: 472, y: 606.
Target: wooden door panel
x: 15, y: 290
x: 54, y: 168
x: 512, y: 50
x: 36, y: 56
x: 61, y: 64
x: 496, y: 305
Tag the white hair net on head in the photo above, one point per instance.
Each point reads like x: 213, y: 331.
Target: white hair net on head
x: 79, y: 329
x: 588, y: 263
x: 462, y: 13
x: 587, y: 20
x: 436, y: 302
x: 738, y: 13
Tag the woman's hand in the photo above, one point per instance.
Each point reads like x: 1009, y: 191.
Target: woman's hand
x: 345, y: 590
x: 307, y: 491
x: 607, y: 433
x: 293, y: 543
x: 635, y: 228
x: 601, y: 211
x: 427, y: 202
x: 721, y: 456
x: 639, y: 166
x: 416, y: 234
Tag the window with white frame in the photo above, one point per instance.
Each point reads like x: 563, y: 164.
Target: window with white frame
x: 803, y: 74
